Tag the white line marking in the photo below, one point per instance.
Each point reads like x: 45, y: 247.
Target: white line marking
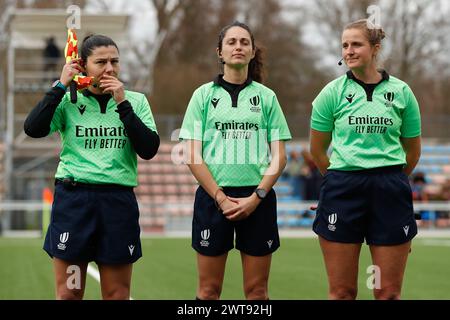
x: 93, y: 272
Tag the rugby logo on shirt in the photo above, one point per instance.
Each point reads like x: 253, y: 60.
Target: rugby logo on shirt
x: 63, y: 237
x: 205, y: 236
x: 389, y: 97
x: 332, y: 219
x: 254, y: 101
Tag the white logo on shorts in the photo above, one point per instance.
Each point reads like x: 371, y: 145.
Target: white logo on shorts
x: 131, y: 248
x: 406, y: 229
x: 269, y: 243
x: 63, y: 237
x: 205, y: 236
x: 332, y: 219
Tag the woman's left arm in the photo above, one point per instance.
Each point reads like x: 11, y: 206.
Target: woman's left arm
x: 412, y: 147
x: 277, y: 165
x: 247, y: 205
x: 145, y: 141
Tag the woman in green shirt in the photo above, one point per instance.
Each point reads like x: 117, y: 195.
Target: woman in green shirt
x: 372, y: 120
x: 231, y: 126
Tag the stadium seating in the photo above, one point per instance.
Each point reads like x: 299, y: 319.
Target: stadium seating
x: 166, y: 190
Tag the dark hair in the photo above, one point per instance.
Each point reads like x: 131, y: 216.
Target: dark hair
x: 256, y: 66
x: 93, y: 41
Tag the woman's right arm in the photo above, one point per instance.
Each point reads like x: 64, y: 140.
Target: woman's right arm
x: 319, y: 143
x: 37, y: 124
x: 203, y: 175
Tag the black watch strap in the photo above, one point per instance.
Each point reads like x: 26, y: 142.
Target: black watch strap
x: 261, y: 193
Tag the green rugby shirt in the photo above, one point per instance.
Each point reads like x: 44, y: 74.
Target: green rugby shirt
x: 95, y: 146
x: 366, y: 128
x: 235, y: 130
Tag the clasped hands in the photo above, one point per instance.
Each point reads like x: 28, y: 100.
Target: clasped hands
x: 236, y: 209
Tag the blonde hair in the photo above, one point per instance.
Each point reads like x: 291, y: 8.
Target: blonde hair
x: 374, y: 34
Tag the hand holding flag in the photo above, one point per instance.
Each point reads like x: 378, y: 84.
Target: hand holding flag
x: 71, y: 53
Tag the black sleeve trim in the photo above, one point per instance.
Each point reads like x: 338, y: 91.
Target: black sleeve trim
x: 144, y: 140
x: 37, y: 124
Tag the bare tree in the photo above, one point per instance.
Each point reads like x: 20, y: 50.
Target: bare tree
x: 419, y: 36
x: 419, y: 42
x: 415, y: 49
x: 415, y: 29
x: 147, y: 52
x: 330, y: 17
x: 187, y: 58
x: 291, y: 67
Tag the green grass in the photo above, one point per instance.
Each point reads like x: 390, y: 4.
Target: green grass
x: 168, y: 271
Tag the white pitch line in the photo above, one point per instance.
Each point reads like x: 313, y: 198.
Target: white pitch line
x: 93, y: 272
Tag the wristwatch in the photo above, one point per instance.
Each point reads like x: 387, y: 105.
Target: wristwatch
x: 261, y: 193
x: 59, y: 84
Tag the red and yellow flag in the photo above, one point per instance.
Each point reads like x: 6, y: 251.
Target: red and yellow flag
x: 71, y: 52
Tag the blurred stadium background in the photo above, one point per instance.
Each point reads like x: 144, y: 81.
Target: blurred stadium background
x: 167, y: 50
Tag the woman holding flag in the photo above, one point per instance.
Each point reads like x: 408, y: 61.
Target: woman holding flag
x: 95, y: 214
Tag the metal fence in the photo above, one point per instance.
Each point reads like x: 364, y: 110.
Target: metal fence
x: 289, y: 217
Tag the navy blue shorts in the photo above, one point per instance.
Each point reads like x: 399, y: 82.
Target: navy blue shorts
x: 98, y: 224
x: 213, y: 234
x: 373, y: 204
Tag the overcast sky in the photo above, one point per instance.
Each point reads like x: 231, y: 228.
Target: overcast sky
x: 143, y: 23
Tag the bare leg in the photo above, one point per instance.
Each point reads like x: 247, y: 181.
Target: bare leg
x: 211, y: 271
x: 70, y: 278
x: 392, y: 263
x: 115, y: 281
x: 341, y: 262
x: 256, y: 276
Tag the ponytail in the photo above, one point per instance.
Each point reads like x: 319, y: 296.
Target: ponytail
x: 256, y: 69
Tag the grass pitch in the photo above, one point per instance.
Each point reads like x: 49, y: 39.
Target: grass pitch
x: 167, y: 271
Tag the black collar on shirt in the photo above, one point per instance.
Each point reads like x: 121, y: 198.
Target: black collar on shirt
x: 102, y: 99
x: 369, y: 87
x: 231, y: 88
